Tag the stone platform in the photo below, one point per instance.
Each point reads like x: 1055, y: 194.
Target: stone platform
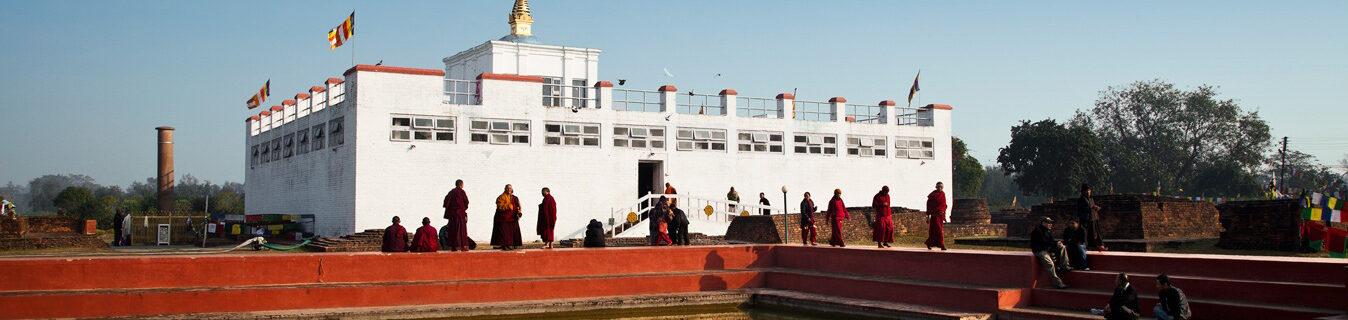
x: 965, y: 283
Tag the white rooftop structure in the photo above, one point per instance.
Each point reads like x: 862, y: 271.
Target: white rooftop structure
x: 384, y: 141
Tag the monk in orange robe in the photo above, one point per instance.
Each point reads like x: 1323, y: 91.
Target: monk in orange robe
x: 505, y: 232
x: 669, y: 189
x: 456, y: 211
x: 547, y: 218
x: 395, y: 237
x: 882, y: 232
x: 425, y: 239
x: 936, y: 218
x: 837, y: 212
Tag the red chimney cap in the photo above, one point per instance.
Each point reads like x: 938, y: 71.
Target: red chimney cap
x: 667, y: 88
x: 276, y: 108
x: 837, y: 99
x: 729, y: 92
x: 318, y: 89
x: 785, y: 96
x: 603, y: 84
x: 301, y: 96
x: 334, y: 80
x: 887, y: 103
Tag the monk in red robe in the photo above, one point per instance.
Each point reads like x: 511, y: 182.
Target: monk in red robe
x: 456, y: 211
x: 547, y: 218
x: 505, y: 232
x: 807, y: 231
x: 395, y: 237
x: 425, y: 239
x: 837, y: 212
x: 882, y: 232
x: 936, y: 218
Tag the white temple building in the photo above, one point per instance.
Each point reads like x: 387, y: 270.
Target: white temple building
x: 384, y: 141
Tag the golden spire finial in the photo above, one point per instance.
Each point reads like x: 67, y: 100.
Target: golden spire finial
x: 520, y: 20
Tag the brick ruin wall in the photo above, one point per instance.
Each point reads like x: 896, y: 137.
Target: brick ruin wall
x: 1260, y: 225
x: 906, y: 222
x: 1134, y: 217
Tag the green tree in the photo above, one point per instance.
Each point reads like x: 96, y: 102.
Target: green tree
x: 72, y: 199
x: 968, y: 173
x: 227, y: 202
x: 1156, y: 134
x: 1051, y: 159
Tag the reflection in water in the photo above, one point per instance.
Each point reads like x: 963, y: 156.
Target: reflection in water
x: 698, y: 312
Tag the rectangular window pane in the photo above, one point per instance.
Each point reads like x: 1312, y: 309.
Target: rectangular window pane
x: 422, y: 122
x: 500, y: 126
x: 402, y: 122
x: 658, y: 144
x: 478, y: 137
x: 552, y: 128
x: 401, y: 135
x: 520, y: 139
x: 421, y: 135
x: 657, y: 132
x: 444, y: 123
x: 520, y: 126
x: 552, y: 140
x: 479, y: 125
x: 638, y: 143
x: 444, y: 136
x: 619, y: 142
x: 500, y: 138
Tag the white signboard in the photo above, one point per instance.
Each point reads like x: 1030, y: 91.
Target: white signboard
x: 163, y: 234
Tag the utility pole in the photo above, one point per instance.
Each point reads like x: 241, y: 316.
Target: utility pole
x: 1283, y: 167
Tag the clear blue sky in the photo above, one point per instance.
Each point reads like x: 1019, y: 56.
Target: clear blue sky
x: 84, y: 83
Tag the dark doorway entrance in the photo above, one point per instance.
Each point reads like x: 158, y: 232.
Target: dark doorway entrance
x: 649, y: 177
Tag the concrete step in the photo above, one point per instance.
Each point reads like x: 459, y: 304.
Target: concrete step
x: 1252, y: 268
x: 1313, y: 295
x: 860, y: 308
x: 989, y: 268
x: 1084, y: 299
x: 190, y: 300
x: 956, y: 296
x: 1040, y: 313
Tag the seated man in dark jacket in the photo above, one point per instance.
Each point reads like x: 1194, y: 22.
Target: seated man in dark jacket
x: 1074, y: 237
x: 1173, y: 303
x: 1049, y: 252
x: 594, y: 234
x: 1123, y: 304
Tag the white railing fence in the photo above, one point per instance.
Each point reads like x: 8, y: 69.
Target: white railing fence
x: 814, y: 111
x: 693, y: 206
x: 750, y: 107
x: 701, y: 104
x: 572, y: 96
x: 636, y: 100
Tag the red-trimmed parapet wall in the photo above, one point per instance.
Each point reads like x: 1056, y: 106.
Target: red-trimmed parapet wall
x: 980, y: 281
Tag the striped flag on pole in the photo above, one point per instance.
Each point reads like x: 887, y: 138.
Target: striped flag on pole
x: 912, y: 92
x: 260, y: 96
x: 337, y: 36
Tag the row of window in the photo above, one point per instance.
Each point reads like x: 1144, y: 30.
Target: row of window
x: 501, y: 131
x: 299, y: 142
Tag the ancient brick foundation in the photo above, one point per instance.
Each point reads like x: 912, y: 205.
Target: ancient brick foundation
x: 906, y: 222
x: 28, y: 233
x: 1260, y: 225
x: 1137, y: 217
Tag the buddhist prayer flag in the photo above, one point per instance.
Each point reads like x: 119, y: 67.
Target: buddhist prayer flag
x: 1334, y: 242
x: 337, y: 36
x: 913, y: 91
x: 260, y: 96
